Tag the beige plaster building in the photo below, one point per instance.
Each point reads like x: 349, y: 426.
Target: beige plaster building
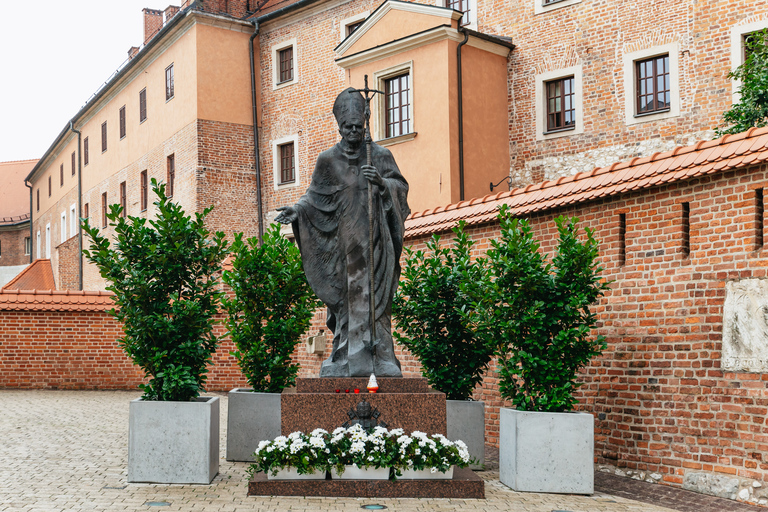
x: 474, y: 93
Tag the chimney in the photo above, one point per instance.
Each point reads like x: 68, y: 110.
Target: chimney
x: 170, y: 12
x: 133, y: 51
x: 153, y: 22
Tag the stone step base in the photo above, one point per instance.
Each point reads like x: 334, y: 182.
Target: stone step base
x: 464, y: 484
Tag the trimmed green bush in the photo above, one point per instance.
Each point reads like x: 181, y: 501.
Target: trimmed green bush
x: 163, y: 276
x: 272, y: 308
x: 540, y: 317
x: 437, y: 291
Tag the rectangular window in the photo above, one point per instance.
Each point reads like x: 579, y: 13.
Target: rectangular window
x: 49, y: 186
x: 86, y: 210
x: 61, y: 175
x: 622, y: 239
x: 397, y: 106
x: 73, y: 163
x: 85, y: 151
x: 103, y: 136
x: 652, y: 86
x: 122, y: 122
x: 287, y: 163
x: 171, y: 175
x: 27, y: 246
x: 759, y: 222
x: 461, y: 6
x: 144, y: 190
x: 169, y: 82
x: 561, y: 110
x: 123, y: 199
x: 143, y: 105
x: 38, y: 200
x: 104, y: 210
x: 285, y: 58
x: 686, y: 242
x: 63, y: 227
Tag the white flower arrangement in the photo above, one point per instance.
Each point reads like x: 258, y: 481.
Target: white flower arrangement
x: 376, y: 448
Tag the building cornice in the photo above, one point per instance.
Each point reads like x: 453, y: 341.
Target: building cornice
x: 383, y: 9
x: 299, y: 15
x: 430, y: 36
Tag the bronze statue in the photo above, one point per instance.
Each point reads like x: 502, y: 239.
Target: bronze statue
x: 332, y: 224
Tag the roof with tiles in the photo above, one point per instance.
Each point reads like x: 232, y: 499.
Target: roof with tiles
x: 37, y: 276
x: 55, y: 300
x: 706, y: 157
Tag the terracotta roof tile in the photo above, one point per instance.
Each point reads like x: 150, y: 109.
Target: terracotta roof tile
x: 704, y: 157
x: 37, y: 276
x: 55, y: 300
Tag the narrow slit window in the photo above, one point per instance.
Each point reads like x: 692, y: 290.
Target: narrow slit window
x: 171, y: 175
x: 85, y: 211
x: 104, y: 210
x: 85, y: 151
x: 61, y: 175
x: 686, y: 230
x: 103, y: 136
x: 143, y: 190
x: 759, y: 222
x: 169, y: 85
x: 622, y: 239
x: 73, y: 163
x: 123, y: 199
x: 143, y: 105
x: 122, y: 122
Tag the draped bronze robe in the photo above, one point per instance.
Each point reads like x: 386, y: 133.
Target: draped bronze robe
x: 332, y: 232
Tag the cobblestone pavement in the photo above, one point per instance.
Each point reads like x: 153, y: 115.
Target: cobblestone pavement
x: 67, y: 451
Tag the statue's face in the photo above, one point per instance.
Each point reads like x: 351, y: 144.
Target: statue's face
x: 351, y: 131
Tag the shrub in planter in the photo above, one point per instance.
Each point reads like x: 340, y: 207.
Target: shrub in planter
x: 437, y: 290
x: 540, y: 318
x: 271, y: 309
x: 163, y: 274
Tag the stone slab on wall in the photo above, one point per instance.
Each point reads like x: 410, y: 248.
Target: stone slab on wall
x: 745, y: 326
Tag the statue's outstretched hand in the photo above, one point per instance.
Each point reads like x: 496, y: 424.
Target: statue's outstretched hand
x: 287, y: 215
x: 372, y: 175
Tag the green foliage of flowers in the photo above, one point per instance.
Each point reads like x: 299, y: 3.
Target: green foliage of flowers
x: 752, y: 108
x: 163, y: 276
x: 372, y: 448
x: 540, y: 316
x: 438, y: 288
x: 272, y: 308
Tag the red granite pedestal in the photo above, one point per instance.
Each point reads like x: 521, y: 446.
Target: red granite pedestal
x: 406, y: 403
x: 464, y: 484
x: 403, y: 403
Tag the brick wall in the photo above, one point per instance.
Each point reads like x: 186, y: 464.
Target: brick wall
x: 12, y: 245
x: 69, y: 269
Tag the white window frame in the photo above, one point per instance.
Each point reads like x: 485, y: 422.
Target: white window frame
x: 276, y: 161
x: 291, y: 43
x: 39, y: 240
x: 540, y: 8
x: 63, y: 226
x: 629, y: 79
x: 48, y: 241
x: 27, y: 246
x: 73, y: 220
x: 472, y: 25
x: 737, y: 51
x: 378, y: 108
x: 351, y: 21
x: 541, y: 102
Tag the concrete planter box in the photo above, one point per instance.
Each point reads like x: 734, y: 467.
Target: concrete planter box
x: 353, y: 472
x: 252, y: 417
x: 425, y: 474
x: 466, y: 421
x: 173, y: 442
x: 547, y: 452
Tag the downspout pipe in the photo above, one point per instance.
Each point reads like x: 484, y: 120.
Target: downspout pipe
x: 257, y: 162
x: 31, y: 229
x: 79, y: 207
x: 461, y: 111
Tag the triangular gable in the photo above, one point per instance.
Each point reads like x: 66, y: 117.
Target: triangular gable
x: 395, y: 20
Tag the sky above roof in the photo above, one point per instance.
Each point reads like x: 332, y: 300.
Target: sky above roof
x: 55, y: 56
